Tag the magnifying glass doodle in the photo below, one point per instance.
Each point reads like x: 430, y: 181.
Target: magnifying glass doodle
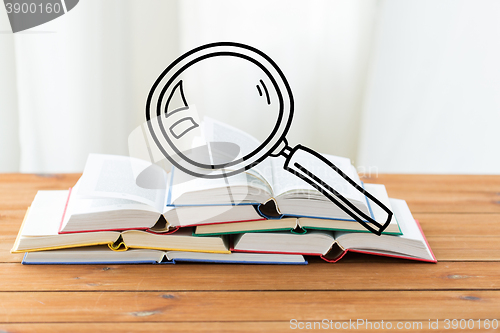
x: 173, y: 123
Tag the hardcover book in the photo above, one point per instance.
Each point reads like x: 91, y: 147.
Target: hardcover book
x: 332, y: 246
x: 39, y: 231
x: 300, y: 225
x: 102, y: 255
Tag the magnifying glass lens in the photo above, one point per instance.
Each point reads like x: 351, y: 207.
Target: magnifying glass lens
x: 217, y: 91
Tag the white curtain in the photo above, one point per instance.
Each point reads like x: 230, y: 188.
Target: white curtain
x: 78, y: 84
x: 399, y: 86
x: 432, y: 102
x: 83, y: 79
x: 9, y: 119
x: 321, y: 46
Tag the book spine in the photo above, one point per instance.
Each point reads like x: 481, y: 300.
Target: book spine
x: 325, y: 258
x: 270, y: 210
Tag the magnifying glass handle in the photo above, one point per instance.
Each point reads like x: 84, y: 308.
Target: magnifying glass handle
x: 298, y: 162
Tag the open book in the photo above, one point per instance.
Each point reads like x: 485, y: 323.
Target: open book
x: 108, y: 197
x: 301, y: 225
x: 41, y: 224
x: 102, y: 255
x: 267, y: 181
x: 331, y: 246
x: 127, y: 193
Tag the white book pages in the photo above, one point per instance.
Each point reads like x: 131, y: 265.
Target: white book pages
x: 45, y: 214
x: 287, y: 183
x: 115, y: 177
x: 410, y: 243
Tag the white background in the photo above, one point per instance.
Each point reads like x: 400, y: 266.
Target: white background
x: 397, y: 86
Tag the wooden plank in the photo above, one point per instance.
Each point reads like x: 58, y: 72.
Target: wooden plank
x: 444, y: 193
x: 18, y: 190
x: 400, y: 275
x: 472, y: 248
x: 462, y: 236
x: 5, y: 247
x: 10, y: 222
x: 479, y: 225
x: 21, y: 307
x: 221, y: 327
x: 229, y: 327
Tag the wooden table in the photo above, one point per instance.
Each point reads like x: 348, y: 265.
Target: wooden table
x: 460, y: 216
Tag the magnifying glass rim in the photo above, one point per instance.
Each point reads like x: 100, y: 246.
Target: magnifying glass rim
x: 259, y: 150
x: 242, y: 159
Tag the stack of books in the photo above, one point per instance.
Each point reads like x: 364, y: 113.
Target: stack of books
x: 128, y: 210
x: 117, y: 214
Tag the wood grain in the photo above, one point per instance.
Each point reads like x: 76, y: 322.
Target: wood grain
x: 460, y: 216
x: 400, y: 275
x: 147, y: 327
x: 465, y: 248
x: 444, y: 193
x: 18, y: 190
x: 131, y: 306
x: 221, y: 327
x: 459, y: 224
